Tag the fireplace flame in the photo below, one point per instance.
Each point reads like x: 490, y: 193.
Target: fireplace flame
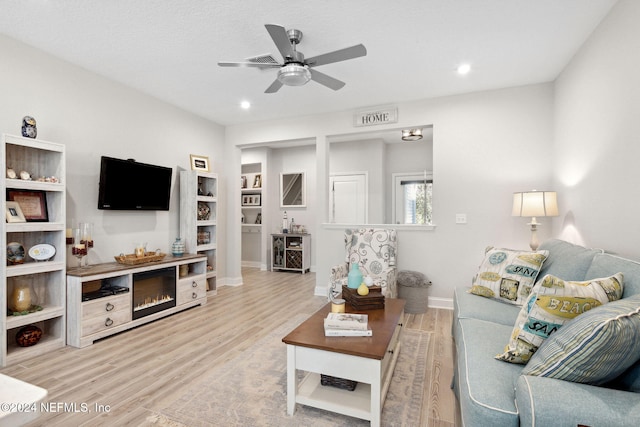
x: 152, y: 301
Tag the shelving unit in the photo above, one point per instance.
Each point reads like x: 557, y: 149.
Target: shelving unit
x: 198, y: 218
x: 251, y: 197
x: 47, y: 278
x: 252, y: 203
x: 291, y: 252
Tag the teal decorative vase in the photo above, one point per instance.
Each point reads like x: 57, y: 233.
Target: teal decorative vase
x: 178, y: 247
x: 355, y: 276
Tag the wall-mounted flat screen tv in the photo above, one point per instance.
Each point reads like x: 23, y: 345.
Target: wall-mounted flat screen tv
x: 129, y: 185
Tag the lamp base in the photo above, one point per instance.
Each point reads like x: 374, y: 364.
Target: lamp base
x: 533, y: 244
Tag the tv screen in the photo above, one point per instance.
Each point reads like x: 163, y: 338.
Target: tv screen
x: 129, y: 185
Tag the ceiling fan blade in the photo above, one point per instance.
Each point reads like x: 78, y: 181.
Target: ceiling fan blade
x: 281, y: 39
x: 326, y: 80
x: 248, y: 64
x: 337, y: 56
x: 275, y: 86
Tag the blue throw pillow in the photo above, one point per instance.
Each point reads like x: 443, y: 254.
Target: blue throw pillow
x: 594, y: 348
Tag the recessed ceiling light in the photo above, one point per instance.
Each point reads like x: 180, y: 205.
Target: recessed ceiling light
x: 245, y: 104
x: 463, y: 69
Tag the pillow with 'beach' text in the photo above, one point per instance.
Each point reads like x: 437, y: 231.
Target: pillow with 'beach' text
x: 552, y: 303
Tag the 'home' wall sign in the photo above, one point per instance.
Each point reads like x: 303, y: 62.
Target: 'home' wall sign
x: 379, y: 117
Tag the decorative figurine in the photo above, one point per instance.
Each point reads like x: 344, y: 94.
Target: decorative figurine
x: 29, y: 127
x: 11, y: 173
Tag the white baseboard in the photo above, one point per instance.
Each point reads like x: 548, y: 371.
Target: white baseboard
x: 445, y: 303
x: 321, y: 291
x: 434, y: 302
x: 229, y: 281
x: 253, y: 264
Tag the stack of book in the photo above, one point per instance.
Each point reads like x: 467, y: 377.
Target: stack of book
x: 347, y: 325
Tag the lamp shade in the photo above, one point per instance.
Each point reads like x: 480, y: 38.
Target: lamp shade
x: 535, y: 203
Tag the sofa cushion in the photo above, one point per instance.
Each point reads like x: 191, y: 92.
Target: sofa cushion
x: 552, y: 303
x: 507, y: 275
x: 629, y: 380
x: 606, y: 264
x: 594, y: 348
x: 469, y: 306
x: 484, y: 385
x: 547, y: 402
x: 568, y: 261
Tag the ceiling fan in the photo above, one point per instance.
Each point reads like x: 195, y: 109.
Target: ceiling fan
x: 296, y: 70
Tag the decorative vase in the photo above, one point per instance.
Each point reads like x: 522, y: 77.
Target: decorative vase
x: 354, y: 279
x: 178, y: 247
x: 29, y: 129
x: 22, y: 297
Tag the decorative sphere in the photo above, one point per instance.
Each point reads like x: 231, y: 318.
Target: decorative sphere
x: 28, y: 336
x: 363, y: 290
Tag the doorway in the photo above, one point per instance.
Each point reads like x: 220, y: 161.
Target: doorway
x: 348, y: 198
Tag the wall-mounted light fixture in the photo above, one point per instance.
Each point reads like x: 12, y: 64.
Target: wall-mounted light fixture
x: 535, y: 203
x: 411, y: 134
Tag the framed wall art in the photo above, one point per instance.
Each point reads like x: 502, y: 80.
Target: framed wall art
x: 251, y: 200
x: 199, y: 163
x: 32, y: 203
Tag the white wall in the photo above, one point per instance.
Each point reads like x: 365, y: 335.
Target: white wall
x: 93, y: 116
x: 597, y: 137
x: 363, y: 156
x: 486, y: 146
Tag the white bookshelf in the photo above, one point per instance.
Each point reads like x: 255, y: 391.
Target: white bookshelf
x: 47, y: 278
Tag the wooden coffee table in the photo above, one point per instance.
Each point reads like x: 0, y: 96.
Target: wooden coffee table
x: 368, y: 360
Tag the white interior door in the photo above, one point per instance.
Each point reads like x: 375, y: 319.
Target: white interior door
x: 348, y: 198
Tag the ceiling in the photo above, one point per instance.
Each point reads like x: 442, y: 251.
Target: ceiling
x: 170, y: 48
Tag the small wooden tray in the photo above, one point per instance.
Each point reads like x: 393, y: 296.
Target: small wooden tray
x: 132, y: 259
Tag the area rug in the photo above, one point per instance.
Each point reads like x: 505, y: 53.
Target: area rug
x: 251, y: 390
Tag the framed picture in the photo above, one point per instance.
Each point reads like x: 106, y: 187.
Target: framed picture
x: 257, y: 181
x: 251, y: 200
x: 14, y: 213
x: 199, y: 163
x: 243, y: 182
x: 32, y: 203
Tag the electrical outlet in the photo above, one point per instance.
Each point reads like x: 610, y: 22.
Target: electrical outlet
x: 461, y: 218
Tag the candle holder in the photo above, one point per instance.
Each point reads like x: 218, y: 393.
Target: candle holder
x: 79, y: 248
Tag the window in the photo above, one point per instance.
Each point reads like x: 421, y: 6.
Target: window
x: 413, y: 198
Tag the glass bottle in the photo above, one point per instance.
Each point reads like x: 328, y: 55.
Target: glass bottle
x: 354, y: 279
x: 285, y: 225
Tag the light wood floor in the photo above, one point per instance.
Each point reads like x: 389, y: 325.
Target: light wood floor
x: 140, y: 371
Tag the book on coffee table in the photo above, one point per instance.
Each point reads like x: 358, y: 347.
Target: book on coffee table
x: 329, y: 332
x: 351, y: 321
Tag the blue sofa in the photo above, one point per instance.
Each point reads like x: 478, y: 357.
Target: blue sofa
x: 495, y: 393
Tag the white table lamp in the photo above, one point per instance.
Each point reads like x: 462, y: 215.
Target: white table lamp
x: 535, y: 204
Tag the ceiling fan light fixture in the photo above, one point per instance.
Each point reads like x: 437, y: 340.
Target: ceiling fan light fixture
x: 294, y: 75
x: 411, y: 134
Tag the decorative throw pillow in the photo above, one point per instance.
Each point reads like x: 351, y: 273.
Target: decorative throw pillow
x: 593, y: 349
x: 552, y: 303
x: 508, y: 275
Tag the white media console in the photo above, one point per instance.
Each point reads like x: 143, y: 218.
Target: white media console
x: 105, y: 299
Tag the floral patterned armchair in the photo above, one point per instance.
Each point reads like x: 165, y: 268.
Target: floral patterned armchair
x: 374, y: 249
